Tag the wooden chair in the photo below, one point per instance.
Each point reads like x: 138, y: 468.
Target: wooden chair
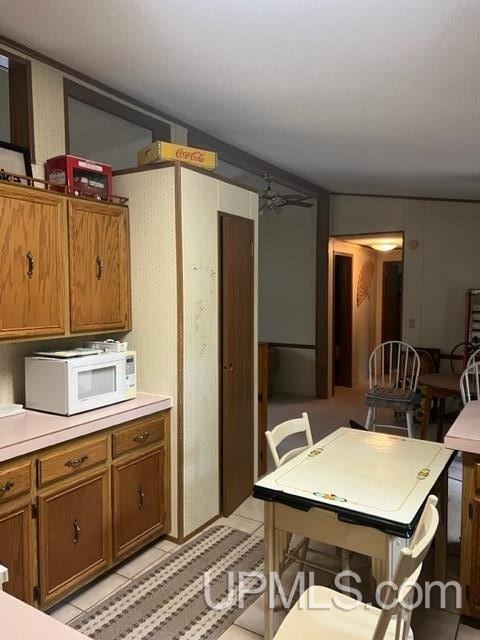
x: 323, y: 613
x: 274, y: 439
x: 393, y: 370
x: 470, y: 382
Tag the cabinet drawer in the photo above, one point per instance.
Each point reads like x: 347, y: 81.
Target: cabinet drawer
x: 15, y: 480
x: 139, y: 434
x: 67, y: 461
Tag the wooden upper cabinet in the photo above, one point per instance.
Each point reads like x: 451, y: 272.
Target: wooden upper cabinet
x: 99, y: 267
x: 33, y: 262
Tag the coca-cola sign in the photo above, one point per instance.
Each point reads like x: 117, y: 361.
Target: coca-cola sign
x: 192, y: 156
x: 160, y: 151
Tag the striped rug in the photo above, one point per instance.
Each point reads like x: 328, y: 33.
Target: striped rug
x: 168, y: 602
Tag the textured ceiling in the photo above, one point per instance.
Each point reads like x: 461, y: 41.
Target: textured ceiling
x: 371, y: 96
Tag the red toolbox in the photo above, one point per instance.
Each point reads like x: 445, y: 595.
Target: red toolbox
x: 82, y: 177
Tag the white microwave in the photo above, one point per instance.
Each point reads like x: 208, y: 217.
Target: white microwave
x: 69, y: 385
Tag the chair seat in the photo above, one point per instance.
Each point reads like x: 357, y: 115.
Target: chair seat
x: 391, y: 398
x: 308, y: 621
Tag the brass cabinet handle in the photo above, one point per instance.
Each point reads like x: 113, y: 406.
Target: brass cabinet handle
x: 141, y: 437
x: 30, y: 264
x: 99, y: 262
x: 76, y: 531
x: 141, y: 498
x: 6, y: 487
x: 75, y: 462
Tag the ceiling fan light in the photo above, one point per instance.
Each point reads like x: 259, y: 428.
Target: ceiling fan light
x: 383, y: 246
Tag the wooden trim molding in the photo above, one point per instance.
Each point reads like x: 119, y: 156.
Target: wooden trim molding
x: 180, y: 349
x: 290, y: 345
x: 322, y: 337
x: 393, y: 197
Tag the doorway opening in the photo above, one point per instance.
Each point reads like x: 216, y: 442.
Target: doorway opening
x: 367, y: 299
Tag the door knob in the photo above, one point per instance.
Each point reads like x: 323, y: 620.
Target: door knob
x: 228, y: 367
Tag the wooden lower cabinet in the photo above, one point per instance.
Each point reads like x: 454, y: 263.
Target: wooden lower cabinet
x: 69, y: 512
x: 74, y: 533
x: 470, y: 538
x: 16, y: 549
x: 139, y: 509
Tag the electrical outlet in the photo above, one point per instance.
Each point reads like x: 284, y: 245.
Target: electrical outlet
x: 411, y: 323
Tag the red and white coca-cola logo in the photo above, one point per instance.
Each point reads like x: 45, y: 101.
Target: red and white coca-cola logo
x: 193, y: 156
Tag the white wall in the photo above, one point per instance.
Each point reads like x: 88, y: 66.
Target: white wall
x: 438, y: 272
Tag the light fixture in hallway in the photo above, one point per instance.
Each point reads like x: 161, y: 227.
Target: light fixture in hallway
x: 384, y: 246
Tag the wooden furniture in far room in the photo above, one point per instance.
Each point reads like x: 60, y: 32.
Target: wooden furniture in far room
x: 70, y: 511
x: 65, y: 264
x: 464, y: 435
x: 441, y: 386
x: 262, y: 406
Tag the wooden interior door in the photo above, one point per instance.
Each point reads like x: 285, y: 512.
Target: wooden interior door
x: 139, y: 500
x: 74, y: 534
x: 99, y: 282
x: 16, y: 550
x: 236, y: 359
x: 392, y: 287
x: 343, y: 313
x: 33, y: 263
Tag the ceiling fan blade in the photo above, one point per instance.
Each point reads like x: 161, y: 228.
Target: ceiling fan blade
x: 307, y: 205
x: 293, y: 197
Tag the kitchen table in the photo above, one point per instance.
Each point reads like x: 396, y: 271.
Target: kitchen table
x: 358, y: 490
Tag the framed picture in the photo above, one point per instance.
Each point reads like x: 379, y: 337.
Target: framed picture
x: 14, y: 159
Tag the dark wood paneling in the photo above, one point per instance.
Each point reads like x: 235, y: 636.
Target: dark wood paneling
x: 322, y: 338
x: 392, y: 300
x: 236, y: 359
x: 21, y: 106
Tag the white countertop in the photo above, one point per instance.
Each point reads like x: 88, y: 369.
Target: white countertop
x: 20, y: 621
x: 464, y: 434
x: 34, y: 430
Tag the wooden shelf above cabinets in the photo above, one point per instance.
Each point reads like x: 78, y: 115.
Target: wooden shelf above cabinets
x: 65, y: 265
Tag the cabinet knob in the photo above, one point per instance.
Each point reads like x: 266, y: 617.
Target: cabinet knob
x: 141, y: 437
x: 76, y: 531
x: 6, y: 487
x: 30, y: 264
x: 76, y: 462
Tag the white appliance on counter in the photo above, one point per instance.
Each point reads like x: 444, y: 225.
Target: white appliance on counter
x: 69, y: 382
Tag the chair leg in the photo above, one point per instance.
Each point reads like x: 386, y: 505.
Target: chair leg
x: 410, y: 423
x: 303, y: 552
x: 370, y: 419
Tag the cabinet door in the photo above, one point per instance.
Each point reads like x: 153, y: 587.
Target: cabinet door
x: 139, y: 494
x: 73, y: 535
x: 16, y: 550
x: 32, y: 268
x: 99, y: 267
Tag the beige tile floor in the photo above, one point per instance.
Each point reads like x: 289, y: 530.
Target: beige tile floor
x: 427, y: 624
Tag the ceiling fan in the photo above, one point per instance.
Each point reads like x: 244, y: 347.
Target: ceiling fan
x: 272, y: 202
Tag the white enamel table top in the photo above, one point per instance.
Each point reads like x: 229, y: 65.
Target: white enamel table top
x: 34, y: 430
x: 464, y: 434
x: 374, y: 475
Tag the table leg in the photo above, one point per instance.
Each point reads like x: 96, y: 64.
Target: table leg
x: 427, y: 405
x: 441, y: 419
x: 440, y: 548
x: 269, y: 567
